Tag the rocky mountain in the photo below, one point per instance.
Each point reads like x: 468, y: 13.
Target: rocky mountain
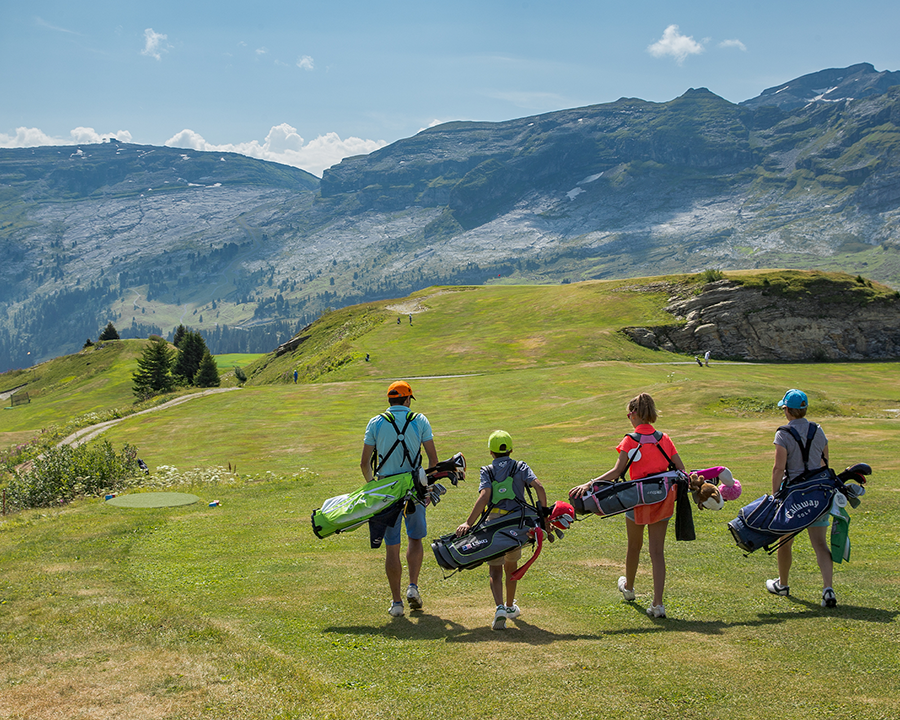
x: 827, y: 320
x: 805, y: 175
x: 827, y: 86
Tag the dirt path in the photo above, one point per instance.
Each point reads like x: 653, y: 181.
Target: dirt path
x: 5, y: 395
x: 79, y: 437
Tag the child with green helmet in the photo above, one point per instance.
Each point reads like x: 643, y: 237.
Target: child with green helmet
x: 502, y: 489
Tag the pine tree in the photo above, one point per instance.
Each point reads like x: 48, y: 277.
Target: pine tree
x: 208, y: 373
x: 180, y: 332
x: 190, y: 353
x: 152, y: 376
x: 109, y: 333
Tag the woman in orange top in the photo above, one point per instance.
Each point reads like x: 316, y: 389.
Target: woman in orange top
x: 649, y: 457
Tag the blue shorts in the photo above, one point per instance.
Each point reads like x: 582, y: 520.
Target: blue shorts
x: 822, y: 522
x: 416, y: 528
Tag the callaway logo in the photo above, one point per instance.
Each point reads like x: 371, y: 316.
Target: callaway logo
x: 797, y: 509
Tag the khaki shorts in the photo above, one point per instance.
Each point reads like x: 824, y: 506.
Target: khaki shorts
x: 510, y: 557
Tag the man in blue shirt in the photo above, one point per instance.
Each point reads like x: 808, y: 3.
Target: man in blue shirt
x: 394, y: 439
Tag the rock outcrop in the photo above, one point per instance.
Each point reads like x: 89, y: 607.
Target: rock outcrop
x: 753, y: 323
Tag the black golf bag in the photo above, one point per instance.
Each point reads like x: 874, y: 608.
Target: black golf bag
x: 487, y: 540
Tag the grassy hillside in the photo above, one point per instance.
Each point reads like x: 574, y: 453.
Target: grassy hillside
x: 95, y: 380
x: 238, y: 611
x: 475, y: 329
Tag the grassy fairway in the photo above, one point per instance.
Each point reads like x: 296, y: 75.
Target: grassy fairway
x: 240, y: 612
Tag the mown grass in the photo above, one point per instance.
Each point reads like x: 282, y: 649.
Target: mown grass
x: 240, y: 612
x: 474, y: 329
x: 228, y: 361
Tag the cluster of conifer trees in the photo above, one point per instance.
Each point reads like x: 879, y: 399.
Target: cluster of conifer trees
x: 161, y: 369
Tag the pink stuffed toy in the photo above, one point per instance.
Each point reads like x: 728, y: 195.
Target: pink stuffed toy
x: 729, y: 486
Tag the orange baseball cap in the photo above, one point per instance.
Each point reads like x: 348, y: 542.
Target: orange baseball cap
x: 400, y: 389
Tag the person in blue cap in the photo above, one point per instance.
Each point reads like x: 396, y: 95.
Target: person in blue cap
x: 789, y: 463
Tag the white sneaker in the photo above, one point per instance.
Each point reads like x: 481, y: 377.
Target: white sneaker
x: 499, y: 618
x: 512, y: 611
x: 626, y: 593
x: 656, y: 611
x: 829, y: 599
x: 413, y: 597
x: 776, y: 588
x: 396, y: 609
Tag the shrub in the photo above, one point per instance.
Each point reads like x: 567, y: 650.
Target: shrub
x: 63, y: 473
x: 708, y: 276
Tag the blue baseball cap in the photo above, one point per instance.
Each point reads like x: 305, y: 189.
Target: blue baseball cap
x: 795, y: 399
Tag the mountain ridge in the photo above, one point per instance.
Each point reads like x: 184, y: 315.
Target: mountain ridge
x: 618, y: 189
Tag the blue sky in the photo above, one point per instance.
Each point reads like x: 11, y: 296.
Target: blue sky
x: 308, y: 82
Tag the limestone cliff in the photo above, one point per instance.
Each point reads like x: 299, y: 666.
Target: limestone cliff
x: 834, y: 321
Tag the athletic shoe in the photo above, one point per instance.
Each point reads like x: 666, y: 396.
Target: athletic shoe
x: 396, y: 609
x: 512, y: 611
x: 829, y: 599
x: 776, y: 588
x: 413, y: 597
x: 656, y: 611
x: 626, y: 593
x: 499, y: 618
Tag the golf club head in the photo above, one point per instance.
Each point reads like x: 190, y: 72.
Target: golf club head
x: 857, y: 472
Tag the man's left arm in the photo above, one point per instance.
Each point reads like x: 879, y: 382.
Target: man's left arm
x: 430, y: 452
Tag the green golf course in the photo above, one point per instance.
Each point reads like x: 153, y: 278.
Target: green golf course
x: 239, y: 611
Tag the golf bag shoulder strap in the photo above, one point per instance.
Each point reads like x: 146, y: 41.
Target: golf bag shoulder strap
x: 506, y: 482
x: 804, y: 447
x: 400, y: 440
x: 524, y: 506
x: 638, y: 438
x: 657, y: 435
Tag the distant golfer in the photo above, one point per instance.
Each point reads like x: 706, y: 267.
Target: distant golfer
x: 706, y: 358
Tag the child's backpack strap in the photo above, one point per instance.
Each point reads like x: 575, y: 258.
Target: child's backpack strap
x: 504, y: 486
x: 804, y: 447
x: 640, y: 439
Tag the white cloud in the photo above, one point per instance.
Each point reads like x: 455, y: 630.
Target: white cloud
x: 676, y: 45
x: 284, y: 145
x: 305, y: 63
x: 262, y: 51
x: 33, y: 137
x: 733, y: 44
x: 44, y: 23
x: 153, y: 46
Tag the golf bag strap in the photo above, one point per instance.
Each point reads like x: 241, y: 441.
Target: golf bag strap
x: 410, y: 416
x: 657, y: 435
x: 490, y: 473
x: 804, y: 447
x: 522, y: 504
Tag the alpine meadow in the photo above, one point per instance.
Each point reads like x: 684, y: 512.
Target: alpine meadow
x: 236, y: 610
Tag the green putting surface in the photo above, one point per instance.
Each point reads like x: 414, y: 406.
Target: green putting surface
x: 153, y: 500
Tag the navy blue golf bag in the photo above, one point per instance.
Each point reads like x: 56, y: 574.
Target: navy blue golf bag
x: 772, y: 519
